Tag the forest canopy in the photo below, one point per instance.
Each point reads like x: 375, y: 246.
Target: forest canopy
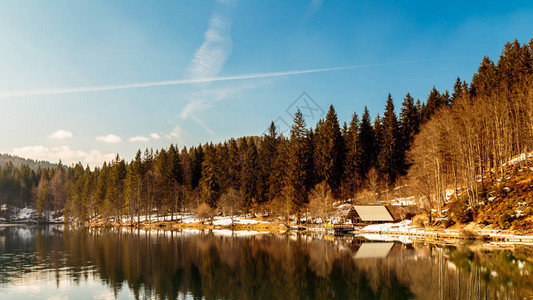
x: 448, y: 140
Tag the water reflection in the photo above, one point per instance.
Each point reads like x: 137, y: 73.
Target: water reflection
x: 42, y: 262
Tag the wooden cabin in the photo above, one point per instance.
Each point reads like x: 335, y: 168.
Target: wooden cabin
x: 369, y: 214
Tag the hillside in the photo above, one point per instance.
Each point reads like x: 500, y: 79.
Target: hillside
x: 19, y: 161
x: 507, y: 204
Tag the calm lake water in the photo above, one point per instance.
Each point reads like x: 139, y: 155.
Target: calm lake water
x: 78, y: 263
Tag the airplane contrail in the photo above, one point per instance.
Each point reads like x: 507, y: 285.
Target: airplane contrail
x: 58, y: 91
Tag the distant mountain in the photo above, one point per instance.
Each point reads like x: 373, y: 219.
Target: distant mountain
x: 18, y: 161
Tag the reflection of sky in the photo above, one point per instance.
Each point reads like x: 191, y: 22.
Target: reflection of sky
x: 45, y: 285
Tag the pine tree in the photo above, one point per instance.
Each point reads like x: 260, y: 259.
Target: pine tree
x: 299, y: 156
x: 86, y: 196
x: 177, y: 167
x: 43, y: 197
x: 132, y: 188
x: 101, y: 187
x: 113, y: 200
x: 352, y: 164
x: 366, y: 145
x: 209, y: 185
x: 147, y: 173
x: 378, y: 141
x: 458, y: 90
x: 267, y: 152
x: 197, y: 158
x: 234, y: 164
x: 388, y: 157
x: 277, y: 178
x: 250, y: 177
x: 409, y: 127
x: 328, y: 152
x: 434, y: 102
x: 163, y: 171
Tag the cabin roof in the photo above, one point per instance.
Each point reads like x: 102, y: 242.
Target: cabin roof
x: 373, y: 213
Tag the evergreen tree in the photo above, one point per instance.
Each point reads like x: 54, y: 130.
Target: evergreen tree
x: 250, y: 177
x: 458, y: 89
x: 277, y: 178
x: 267, y: 152
x: 234, y: 164
x: 299, y: 157
x: 378, y: 141
x: 485, y: 78
x: 177, y: 166
x: 163, y: 172
x: 434, y: 102
x: 197, y: 158
x: 43, y: 197
x: 366, y: 144
x: 409, y: 127
x: 209, y: 185
x: 101, y: 188
x: 132, y: 189
x: 352, y: 164
x: 328, y: 152
x: 388, y: 157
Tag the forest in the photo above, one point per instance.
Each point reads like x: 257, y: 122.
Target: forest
x: 460, y: 141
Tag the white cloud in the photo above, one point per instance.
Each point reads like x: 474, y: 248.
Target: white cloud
x: 110, y: 138
x: 64, y: 153
x: 177, y: 133
x: 217, y: 46
x: 204, y: 99
x: 155, y: 136
x: 61, y: 135
x: 204, y: 126
x: 139, y: 138
x: 59, y: 91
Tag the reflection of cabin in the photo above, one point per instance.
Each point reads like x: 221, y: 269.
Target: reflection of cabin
x: 373, y: 250
x: 369, y: 214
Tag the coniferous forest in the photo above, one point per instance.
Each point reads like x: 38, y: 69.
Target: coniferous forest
x: 460, y: 140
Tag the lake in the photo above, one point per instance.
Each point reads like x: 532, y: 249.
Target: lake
x: 56, y: 262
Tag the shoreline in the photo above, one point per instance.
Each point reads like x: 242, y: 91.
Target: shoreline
x: 431, y: 234
x: 437, y: 235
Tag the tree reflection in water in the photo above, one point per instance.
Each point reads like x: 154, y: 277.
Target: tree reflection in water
x: 174, y: 264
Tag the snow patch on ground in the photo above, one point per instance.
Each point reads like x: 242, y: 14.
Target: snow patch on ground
x: 519, y: 158
x: 227, y: 232
x: 236, y: 220
x: 402, y: 226
x: 25, y: 214
x: 387, y: 238
x: 404, y: 201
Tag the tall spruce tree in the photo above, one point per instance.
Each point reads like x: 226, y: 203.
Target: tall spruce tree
x: 352, y: 163
x: 409, y: 127
x: 388, y: 157
x: 299, y: 157
x: 250, y: 177
x: 209, y: 185
x: 328, y: 152
x: 366, y: 144
x: 267, y: 152
x: 197, y: 159
x: 434, y: 102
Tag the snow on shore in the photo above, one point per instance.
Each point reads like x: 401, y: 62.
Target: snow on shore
x: 402, y: 226
x: 236, y: 220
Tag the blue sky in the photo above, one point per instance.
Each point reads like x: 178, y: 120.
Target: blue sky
x: 84, y: 80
